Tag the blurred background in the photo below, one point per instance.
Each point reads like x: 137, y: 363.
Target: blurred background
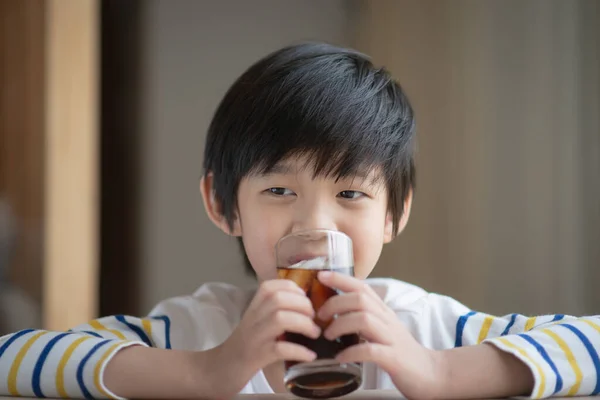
x: 104, y: 105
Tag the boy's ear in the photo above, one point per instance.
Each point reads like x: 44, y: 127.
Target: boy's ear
x: 213, y: 207
x: 389, y: 220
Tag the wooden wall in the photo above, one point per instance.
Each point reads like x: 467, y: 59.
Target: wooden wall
x: 22, y: 91
x: 49, y: 151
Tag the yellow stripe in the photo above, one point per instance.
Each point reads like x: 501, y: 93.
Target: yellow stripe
x: 485, y: 328
x: 99, y: 327
x: 99, y: 367
x: 147, y: 325
x: 14, y: 369
x: 593, y: 325
x: 530, y: 323
x: 571, y: 358
x: 537, y: 366
x: 60, y: 370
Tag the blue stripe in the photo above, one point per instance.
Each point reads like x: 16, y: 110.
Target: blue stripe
x: 37, y: 370
x: 590, y: 348
x: 167, y: 322
x: 135, y: 328
x: 460, y: 327
x: 92, y: 333
x: 12, y: 339
x: 546, y: 357
x: 558, y: 317
x: 81, y: 366
x: 96, y: 334
x: 513, y: 318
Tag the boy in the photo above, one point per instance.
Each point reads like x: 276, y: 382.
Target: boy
x: 312, y: 136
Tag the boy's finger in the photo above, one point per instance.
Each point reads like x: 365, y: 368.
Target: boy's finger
x: 283, y: 350
x: 348, y: 302
x: 282, y: 321
x: 368, y: 352
x: 283, y: 300
x: 270, y: 289
x: 273, y: 285
x: 345, y: 283
x: 367, y: 325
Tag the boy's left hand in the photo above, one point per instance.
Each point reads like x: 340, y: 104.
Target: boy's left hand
x: 413, y: 368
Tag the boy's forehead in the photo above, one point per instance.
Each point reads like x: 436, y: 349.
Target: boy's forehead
x: 302, y: 164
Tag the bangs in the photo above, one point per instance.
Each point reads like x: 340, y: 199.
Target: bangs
x: 340, y: 125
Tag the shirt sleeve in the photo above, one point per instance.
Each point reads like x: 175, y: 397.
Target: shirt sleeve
x: 561, y: 351
x: 71, y: 364
x: 36, y: 363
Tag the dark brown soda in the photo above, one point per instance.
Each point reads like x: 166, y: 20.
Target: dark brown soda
x: 319, y: 385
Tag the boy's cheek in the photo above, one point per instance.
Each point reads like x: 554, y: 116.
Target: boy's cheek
x: 263, y: 262
x: 369, y: 233
x: 259, y: 242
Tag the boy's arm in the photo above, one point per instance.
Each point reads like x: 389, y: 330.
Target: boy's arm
x: 561, y: 354
x: 542, y: 356
x: 56, y: 364
x: 140, y: 372
x: 72, y: 364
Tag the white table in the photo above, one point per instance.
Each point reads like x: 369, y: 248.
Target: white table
x: 359, y: 395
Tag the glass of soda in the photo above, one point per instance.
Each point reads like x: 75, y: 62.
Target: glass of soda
x: 300, y: 257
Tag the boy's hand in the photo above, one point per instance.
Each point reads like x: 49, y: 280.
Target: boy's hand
x: 279, y: 306
x: 412, y: 367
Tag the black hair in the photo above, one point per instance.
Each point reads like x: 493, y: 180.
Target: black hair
x: 316, y: 100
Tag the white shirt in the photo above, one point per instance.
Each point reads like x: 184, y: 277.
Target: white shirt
x: 561, y: 351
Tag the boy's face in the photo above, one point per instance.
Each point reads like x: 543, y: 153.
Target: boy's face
x: 290, y: 199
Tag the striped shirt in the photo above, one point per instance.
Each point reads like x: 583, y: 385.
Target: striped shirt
x: 561, y: 351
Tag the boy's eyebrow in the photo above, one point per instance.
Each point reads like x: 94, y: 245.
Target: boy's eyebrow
x: 284, y: 168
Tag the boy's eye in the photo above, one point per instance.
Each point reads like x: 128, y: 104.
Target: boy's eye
x: 280, y: 191
x: 351, y: 194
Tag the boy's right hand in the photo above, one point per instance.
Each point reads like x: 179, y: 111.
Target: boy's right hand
x: 279, y: 306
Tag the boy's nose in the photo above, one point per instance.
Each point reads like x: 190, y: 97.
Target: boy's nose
x: 316, y: 216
